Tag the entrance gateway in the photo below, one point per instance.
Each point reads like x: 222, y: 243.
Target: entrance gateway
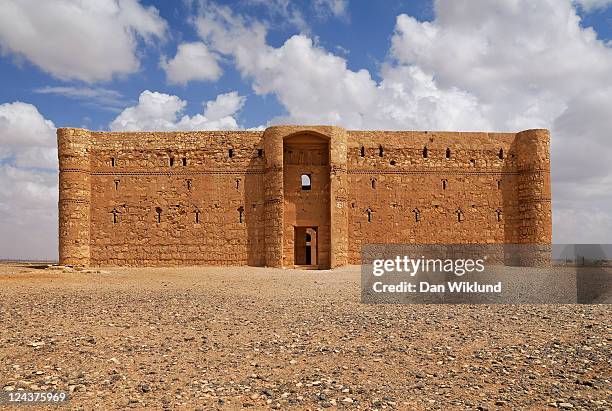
x: 306, y: 251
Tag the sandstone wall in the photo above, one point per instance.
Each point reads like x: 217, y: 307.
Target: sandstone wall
x: 234, y: 198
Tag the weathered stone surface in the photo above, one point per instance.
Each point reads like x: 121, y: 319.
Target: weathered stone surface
x: 236, y: 197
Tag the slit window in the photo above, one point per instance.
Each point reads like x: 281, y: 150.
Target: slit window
x: 448, y: 153
x: 237, y: 184
x: 362, y: 151
x: 501, y: 154
x: 171, y: 161
x: 499, y: 184
x: 417, y: 215
x: 184, y: 161
x: 158, y: 212
x: 230, y: 153
x: 197, y: 216
x: 459, y: 215
x: 498, y: 214
x: 306, y: 182
x: 369, y: 212
x: 113, y: 163
x: 240, y: 214
x: 115, y: 218
x: 381, y: 151
x: 444, y: 184
x: 373, y: 183
x: 188, y: 183
x: 425, y: 152
x: 116, y: 185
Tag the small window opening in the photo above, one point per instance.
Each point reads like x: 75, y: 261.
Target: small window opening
x: 115, y: 218
x: 501, y: 154
x: 188, y: 182
x: 448, y: 153
x: 381, y: 151
x: 116, y: 185
x: 499, y: 184
x: 230, y: 152
x: 444, y: 184
x: 472, y: 162
x: 306, y: 182
x: 171, y: 160
x: 240, y: 213
x: 425, y: 152
x: 417, y: 215
x: 197, y: 216
x: 373, y: 183
x: 184, y: 161
x: 158, y: 212
x: 392, y: 162
x: 459, y: 215
x: 260, y: 152
x: 113, y: 162
x: 362, y: 151
x: 499, y: 214
x: 369, y: 211
x: 237, y: 184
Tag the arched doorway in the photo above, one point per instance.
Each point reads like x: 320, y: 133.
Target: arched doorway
x: 306, y: 189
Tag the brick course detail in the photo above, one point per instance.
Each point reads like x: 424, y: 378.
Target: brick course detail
x: 295, y: 195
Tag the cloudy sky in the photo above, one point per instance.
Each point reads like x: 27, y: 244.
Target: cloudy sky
x: 504, y: 65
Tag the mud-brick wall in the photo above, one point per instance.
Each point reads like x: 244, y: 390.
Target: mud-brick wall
x: 437, y: 188
x: 176, y: 198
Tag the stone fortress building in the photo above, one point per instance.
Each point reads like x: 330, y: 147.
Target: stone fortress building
x: 295, y: 195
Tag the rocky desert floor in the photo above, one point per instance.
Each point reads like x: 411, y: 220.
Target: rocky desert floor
x: 234, y: 338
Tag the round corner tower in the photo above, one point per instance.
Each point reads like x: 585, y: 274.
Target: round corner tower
x: 74, y: 196
x: 534, y: 195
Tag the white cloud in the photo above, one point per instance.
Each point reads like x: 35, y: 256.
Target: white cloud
x: 193, y: 61
x: 337, y: 8
x: 27, y: 138
x: 591, y: 5
x: 103, y: 98
x: 28, y: 183
x: 316, y: 86
x: 86, y: 40
x: 479, y: 65
x: 159, y: 111
x: 224, y: 105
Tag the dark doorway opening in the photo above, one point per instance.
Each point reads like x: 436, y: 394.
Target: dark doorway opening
x: 305, y: 247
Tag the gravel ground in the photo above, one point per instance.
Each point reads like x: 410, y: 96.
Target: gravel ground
x: 228, y: 338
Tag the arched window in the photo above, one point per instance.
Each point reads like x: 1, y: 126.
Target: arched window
x: 373, y: 183
x: 306, y: 182
x: 158, y: 212
x: 240, y: 213
x: 197, y: 215
x: 444, y: 184
x: 417, y: 215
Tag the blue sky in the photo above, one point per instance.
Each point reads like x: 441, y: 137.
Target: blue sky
x: 444, y: 65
